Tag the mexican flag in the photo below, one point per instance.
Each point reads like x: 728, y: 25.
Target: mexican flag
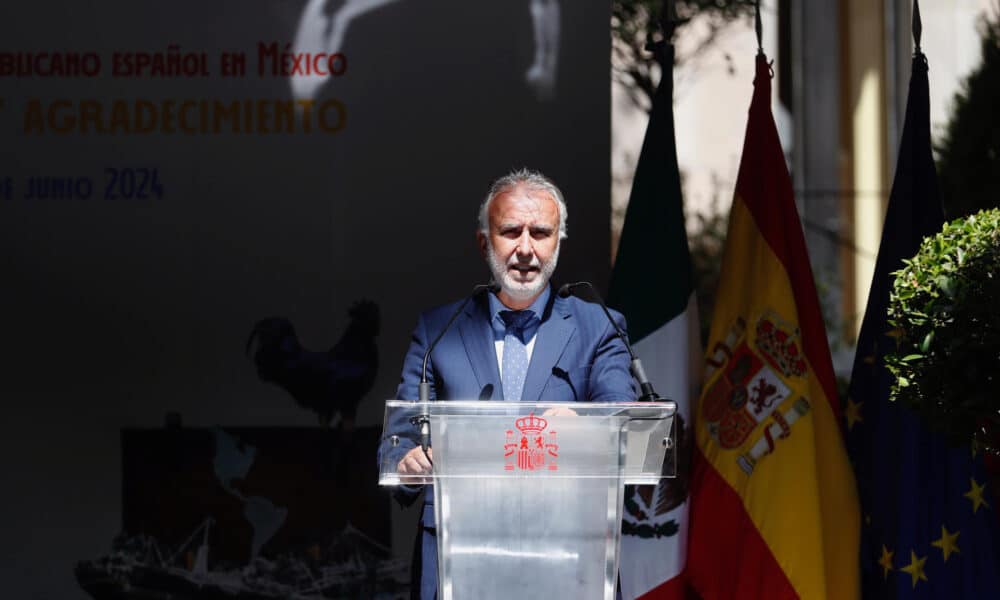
x: 652, y: 286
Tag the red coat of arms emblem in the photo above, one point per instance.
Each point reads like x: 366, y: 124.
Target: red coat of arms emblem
x: 531, y: 448
x: 752, y: 386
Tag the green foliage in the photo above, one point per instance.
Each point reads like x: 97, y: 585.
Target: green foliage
x: 945, y: 311
x: 969, y: 153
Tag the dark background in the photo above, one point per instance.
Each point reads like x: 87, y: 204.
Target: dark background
x: 117, y: 312
x: 170, y: 488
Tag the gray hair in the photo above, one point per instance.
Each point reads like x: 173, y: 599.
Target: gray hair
x: 532, y: 180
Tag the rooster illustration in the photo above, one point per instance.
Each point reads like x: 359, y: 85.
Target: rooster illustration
x: 327, y: 383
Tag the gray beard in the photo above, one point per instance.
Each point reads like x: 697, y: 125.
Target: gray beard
x: 515, y: 289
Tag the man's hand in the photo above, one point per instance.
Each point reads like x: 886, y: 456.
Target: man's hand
x: 559, y: 411
x: 415, y: 463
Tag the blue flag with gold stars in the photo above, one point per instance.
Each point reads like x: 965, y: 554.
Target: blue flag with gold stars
x: 928, y: 521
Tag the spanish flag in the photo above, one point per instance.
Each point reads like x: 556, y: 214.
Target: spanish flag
x: 774, y: 508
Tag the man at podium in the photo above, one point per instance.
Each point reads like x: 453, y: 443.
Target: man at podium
x: 519, y: 342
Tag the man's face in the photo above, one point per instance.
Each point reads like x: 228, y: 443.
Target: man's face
x: 522, y: 247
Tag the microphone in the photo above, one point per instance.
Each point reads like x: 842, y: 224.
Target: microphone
x: 648, y: 394
x: 424, y: 388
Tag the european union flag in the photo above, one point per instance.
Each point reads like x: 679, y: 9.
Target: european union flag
x: 928, y: 521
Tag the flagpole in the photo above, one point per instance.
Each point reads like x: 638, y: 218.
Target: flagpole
x: 668, y: 20
x: 668, y: 25
x: 758, y: 28
x: 917, y: 26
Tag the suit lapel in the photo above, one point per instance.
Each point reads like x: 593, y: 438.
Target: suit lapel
x: 477, y: 336
x: 553, y: 334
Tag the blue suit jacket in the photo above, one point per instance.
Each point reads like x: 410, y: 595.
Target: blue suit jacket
x: 577, y: 357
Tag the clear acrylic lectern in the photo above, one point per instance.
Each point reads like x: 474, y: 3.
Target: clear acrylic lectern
x: 529, y: 505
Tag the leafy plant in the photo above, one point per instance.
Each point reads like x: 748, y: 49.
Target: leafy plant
x: 945, y: 311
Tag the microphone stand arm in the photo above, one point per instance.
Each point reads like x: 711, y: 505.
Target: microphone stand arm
x: 648, y: 393
x: 423, y: 421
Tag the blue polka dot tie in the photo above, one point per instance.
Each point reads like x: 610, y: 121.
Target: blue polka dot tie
x: 515, y: 353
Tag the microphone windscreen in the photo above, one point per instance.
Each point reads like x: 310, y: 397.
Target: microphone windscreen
x: 564, y: 290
